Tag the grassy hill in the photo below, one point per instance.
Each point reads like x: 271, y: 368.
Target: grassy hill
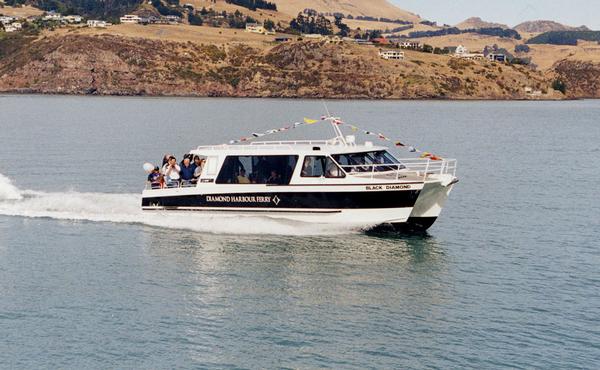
x: 476, y: 22
x: 372, y: 8
x: 545, y: 26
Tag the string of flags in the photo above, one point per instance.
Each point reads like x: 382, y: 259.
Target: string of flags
x: 339, y: 122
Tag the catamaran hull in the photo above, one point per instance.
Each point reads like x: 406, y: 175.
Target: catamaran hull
x: 429, y: 205
x: 354, y: 205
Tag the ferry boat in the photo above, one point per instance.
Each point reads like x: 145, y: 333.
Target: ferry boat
x: 330, y: 181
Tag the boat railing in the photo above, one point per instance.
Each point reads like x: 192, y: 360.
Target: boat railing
x: 293, y: 142
x: 169, y: 185
x: 422, y: 167
x: 430, y: 166
x: 273, y: 145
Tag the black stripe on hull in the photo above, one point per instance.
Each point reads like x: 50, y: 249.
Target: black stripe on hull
x: 297, y: 200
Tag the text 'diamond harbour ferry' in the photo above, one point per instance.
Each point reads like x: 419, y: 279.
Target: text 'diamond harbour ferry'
x: 332, y: 181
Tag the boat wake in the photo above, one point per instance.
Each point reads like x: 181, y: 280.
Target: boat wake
x: 125, y: 208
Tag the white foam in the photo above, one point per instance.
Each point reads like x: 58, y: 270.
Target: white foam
x: 7, y: 190
x: 126, y: 208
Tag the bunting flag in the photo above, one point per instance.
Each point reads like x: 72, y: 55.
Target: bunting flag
x: 339, y: 122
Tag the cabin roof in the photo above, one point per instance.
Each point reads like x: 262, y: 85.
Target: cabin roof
x: 285, y: 148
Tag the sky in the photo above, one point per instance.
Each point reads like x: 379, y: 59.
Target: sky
x: 511, y: 12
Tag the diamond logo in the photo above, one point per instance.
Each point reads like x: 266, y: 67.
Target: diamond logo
x: 276, y: 200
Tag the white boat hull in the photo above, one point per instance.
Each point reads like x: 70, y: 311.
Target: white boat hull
x: 357, y: 204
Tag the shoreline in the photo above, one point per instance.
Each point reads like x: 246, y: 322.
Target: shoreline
x: 478, y: 99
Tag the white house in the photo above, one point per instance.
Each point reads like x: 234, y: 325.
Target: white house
x: 460, y: 50
x: 16, y: 26
x: 410, y: 44
x: 391, y: 54
x: 52, y: 16
x: 255, y: 28
x: 130, y: 18
x: 315, y: 36
x: 94, y: 23
x: 172, y: 19
x: 6, y: 20
x: 73, y: 19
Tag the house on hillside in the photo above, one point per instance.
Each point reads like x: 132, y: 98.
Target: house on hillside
x: 492, y: 57
x: 7, y: 20
x: 410, y: 44
x: 73, y: 19
x: 255, y: 28
x: 313, y: 36
x: 52, y: 16
x: 461, y: 50
x: 172, y: 19
x: 130, y: 18
x: 94, y: 23
x: 380, y: 41
x: 13, y: 27
x: 391, y: 54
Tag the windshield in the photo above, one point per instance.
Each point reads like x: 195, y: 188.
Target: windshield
x: 368, y: 161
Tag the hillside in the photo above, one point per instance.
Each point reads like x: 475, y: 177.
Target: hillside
x: 93, y: 8
x: 116, y: 65
x: 373, y: 8
x: 542, y: 26
x: 476, y: 23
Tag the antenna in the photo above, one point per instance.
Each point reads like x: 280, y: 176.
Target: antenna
x: 326, y: 109
x: 336, y: 130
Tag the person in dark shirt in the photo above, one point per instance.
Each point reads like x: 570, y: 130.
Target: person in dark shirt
x: 187, y: 171
x: 154, y: 178
x: 274, y: 179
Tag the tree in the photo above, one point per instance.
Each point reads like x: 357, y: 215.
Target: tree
x: 344, y: 29
x: 310, y: 24
x: 559, y: 85
x: 269, y: 25
x: 194, y: 20
x: 254, y: 4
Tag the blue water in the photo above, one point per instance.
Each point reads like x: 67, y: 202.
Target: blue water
x: 508, y: 277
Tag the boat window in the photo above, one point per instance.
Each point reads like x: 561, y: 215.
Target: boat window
x: 272, y: 170
x: 211, y: 166
x: 319, y: 166
x: 367, y: 161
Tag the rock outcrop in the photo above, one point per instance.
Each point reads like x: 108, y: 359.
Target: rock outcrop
x: 581, y: 79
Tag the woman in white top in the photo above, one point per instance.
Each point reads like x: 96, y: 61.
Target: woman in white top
x: 171, y: 172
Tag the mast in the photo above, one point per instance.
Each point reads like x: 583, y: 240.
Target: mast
x: 339, y: 136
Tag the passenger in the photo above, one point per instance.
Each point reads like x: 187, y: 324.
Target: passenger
x: 198, y: 166
x: 274, y: 179
x: 171, y: 172
x: 252, y: 178
x: 242, y: 179
x: 187, y: 172
x: 165, y: 161
x: 262, y: 170
x: 155, y: 178
x: 306, y: 168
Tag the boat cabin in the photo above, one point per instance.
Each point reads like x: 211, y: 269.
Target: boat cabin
x: 285, y: 163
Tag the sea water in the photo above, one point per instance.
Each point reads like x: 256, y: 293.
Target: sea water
x: 508, y: 277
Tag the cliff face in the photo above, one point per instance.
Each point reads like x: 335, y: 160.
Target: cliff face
x: 582, y: 79
x: 112, y: 65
